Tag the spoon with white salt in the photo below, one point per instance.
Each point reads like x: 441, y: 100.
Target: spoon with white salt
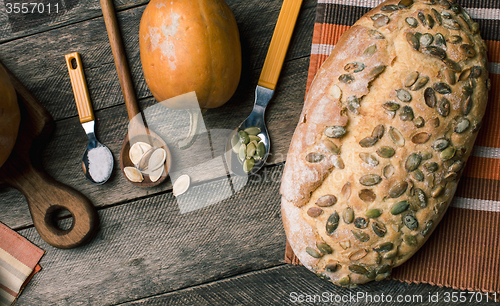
x: 97, y: 161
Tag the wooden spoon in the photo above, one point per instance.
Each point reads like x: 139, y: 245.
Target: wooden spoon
x: 138, y: 131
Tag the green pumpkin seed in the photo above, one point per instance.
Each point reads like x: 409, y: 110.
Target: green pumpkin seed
x: 361, y: 222
x: 244, y: 139
x: 254, y: 138
x: 313, y: 252
x: 435, y: 52
x: 476, y: 72
x: 353, y: 104
x: 332, y: 267
x: 248, y: 165
x: 440, y: 144
x: 403, y: 95
x: 430, y: 97
x: 369, y: 159
x: 338, y: 162
x: 426, y: 155
x: 439, y: 40
x: 444, y: 107
x: 376, y: 71
x: 261, y: 150
x: 397, y: 137
x: 411, y: 79
x: 410, y: 222
x: 420, y: 83
x: 412, y: 162
x: 403, y: 4
x: 386, y: 152
x: 373, y: 213
x: 314, y: 212
x: 431, y: 167
x: 462, y: 125
x: 418, y: 175
x: 346, y: 78
x: 410, y: 240
x: 450, y: 176
x: 422, y: 19
x: 413, y: 40
x: 456, y: 166
x: 331, y: 147
x: 332, y: 223
x: 371, y: 274
x: 426, y: 40
x: 242, y: 153
x: 361, y: 236
x: 430, y: 21
x: 389, y: 171
x: 254, y: 130
x: 446, y: 15
x: 326, y: 200
x: 383, y: 269
x: 398, y: 189
x: 251, y: 150
x: 389, y: 8
x: 236, y: 145
x: 354, y: 67
x: 367, y: 195
x: 378, y: 131
x: 344, y: 281
x: 348, y: 215
x: 358, y: 269
x: 451, y: 24
x: 370, y: 180
x: 467, y: 107
x: 379, y: 229
x: 476, y: 126
x: 370, y: 51
x: 310, y: 158
x: 448, y: 153
x: 378, y: 23
x: 419, y: 122
x: 335, y: 131
x: 406, y: 113
x: 368, y: 142
x: 390, y: 106
x: 427, y: 228
x: 454, y: 39
x: 421, y: 138
x: 324, y: 248
x: 452, y: 65
x: 399, y: 207
x: 390, y: 255
x: 412, y: 22
x: 384, y: 247
x: 468, y: 50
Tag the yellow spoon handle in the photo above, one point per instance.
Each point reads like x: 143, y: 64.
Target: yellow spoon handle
x: 279, y: 43
x: 80, y: 90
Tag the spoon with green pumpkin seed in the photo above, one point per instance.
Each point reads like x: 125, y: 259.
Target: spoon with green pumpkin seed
x: 245, y: 152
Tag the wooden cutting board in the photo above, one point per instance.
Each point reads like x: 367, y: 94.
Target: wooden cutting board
x: 45, y: 196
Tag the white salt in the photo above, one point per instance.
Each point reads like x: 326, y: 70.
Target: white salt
x: 100, y: 164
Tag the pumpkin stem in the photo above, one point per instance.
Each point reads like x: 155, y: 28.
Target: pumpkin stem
x: 195, y: 119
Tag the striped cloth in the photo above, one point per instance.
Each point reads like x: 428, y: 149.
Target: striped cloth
x: 464, y: 251
x: 18, y: 263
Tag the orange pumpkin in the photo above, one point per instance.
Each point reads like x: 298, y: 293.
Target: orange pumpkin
x: 190, y: 45
x: 10, y: 116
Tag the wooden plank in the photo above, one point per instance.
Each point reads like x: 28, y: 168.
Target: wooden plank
x: 38, y: 60
x: 294, y: 285
x: 62, y: 156
x: 147, y: 247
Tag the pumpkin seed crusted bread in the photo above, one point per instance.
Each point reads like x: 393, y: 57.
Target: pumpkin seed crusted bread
x: 388, y: 124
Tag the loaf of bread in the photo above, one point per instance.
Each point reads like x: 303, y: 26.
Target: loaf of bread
x: 10, y: 116
x: 388, y: 124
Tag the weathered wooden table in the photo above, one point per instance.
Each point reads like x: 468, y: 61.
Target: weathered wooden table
x: 146, y: 251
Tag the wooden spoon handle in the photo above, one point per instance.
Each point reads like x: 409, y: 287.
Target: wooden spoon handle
x: 122, y: 68
x: 45, y: 198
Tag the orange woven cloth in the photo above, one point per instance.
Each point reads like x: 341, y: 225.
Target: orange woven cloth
x: 464, y: 251
x: 18, y: 263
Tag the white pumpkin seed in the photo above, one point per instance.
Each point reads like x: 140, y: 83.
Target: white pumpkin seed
x: 181, y: 185
x: 133, y: 174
